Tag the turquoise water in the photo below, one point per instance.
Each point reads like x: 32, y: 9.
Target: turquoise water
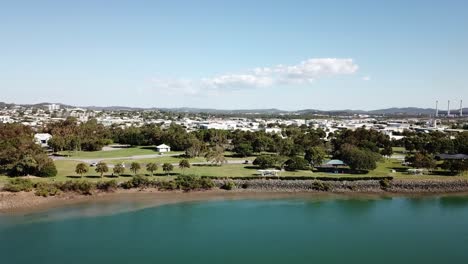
x: 391, y: 230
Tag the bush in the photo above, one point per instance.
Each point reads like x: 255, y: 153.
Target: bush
x: 81, y: 187
x: 46, y: 189
x: 228, y: 185
x: 321, y: 186
x: 206, y: 184
x: 385, y: 184
x: 188, y: 183
x: 108, y: 186
x: 167, y: 185
x: 19, y: 185
x: 48, y: 170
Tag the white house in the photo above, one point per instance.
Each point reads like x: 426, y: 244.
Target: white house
x: 163, y: 148
x: 5, y: 119
x: 42, y: 139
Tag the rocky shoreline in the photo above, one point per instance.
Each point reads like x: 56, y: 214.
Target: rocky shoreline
x: 28, y: 201
x: 365, y: 186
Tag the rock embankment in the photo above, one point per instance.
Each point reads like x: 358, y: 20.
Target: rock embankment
x: 407, y: 186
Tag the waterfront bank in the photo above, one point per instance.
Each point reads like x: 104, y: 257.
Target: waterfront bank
x: 245, y: 189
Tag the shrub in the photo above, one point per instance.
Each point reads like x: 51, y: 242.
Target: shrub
x: 81, y: 187
x: 321, y: 186
x: 46, y: 189
x: 137, y: 182
x: 48, y: 170
x: 167, y: 185
x: 108, y: 186
x: 190, y: 182
x: 19, y: 185
x: 228, y: 185
x: 206, y: 184
x: 385, y: 184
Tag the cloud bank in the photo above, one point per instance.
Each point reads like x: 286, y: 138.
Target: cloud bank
x: 305, y: 72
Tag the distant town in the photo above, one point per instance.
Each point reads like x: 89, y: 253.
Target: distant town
x: 391, y: 122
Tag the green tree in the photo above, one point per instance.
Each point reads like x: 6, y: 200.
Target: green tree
x: 387, y: 151
x: 216, y: 155
x: 296, y: 163
x: 102, y: 168
x: 81, y: 168
x: 135, y: 167
x: 456, y: 166
x: 421, y: 160
x: 151, y: 167
x: 265, y: 161
x: 167, y: 167
x: 118, y: 169
x: 315, y: 155
x: 359, y: 159
x: 243, y: 149
x: 184, y: 164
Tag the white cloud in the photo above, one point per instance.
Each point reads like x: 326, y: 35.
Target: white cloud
x: 366, y: 78
x: 305, y: 72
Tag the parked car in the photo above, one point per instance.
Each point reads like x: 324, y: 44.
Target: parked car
x: 93, y: 164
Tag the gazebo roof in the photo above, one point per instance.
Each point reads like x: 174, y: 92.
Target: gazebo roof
x: 335, y: 162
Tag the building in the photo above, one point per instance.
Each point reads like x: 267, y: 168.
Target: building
x: 42, y: 139
x: 5, y: 119
x: 163, y: 148
x: 53, y: 107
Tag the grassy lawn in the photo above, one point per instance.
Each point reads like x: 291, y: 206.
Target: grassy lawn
x: 399, y: 150
x: 123, y: 152
x: 66, y: 171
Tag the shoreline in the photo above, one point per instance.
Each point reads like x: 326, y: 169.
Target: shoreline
x: 28, y: 202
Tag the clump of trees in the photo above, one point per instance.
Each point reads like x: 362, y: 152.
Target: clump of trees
x: 421, y: 160
x: 68, y: 135
x: 20, y: 155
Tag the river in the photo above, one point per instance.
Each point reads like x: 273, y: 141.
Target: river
x: 293, y: 230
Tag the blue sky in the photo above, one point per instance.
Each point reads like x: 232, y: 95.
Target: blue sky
x: 235, y: 54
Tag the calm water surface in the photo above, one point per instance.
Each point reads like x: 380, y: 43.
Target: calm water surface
x: 390, y: 230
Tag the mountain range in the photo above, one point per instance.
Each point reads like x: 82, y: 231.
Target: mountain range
x: 272, y: 111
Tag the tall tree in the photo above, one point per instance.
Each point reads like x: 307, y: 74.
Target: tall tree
x: 119, y: 169
x: 135, y: 167
x: 81, y: 168
x: 184, y: 164
x: 315, y: 155
x: 216, y: 155
x: 152, y: 167
x: 167, y: 167
x: 102, y: 168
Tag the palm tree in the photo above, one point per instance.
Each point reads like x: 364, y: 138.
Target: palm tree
x: 151, y: 167
x: 102, y: 168
x: 119, y: 169
x: 81, y: 168
x: 184, y: 164
x: 167, y: 167
x: 216, y: 155
x: 135, y: 167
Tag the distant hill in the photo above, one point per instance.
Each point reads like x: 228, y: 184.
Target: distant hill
x: 412, y: 111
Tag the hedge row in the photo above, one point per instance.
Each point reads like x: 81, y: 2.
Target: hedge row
x: 299, y: 178
x: 184, y: 182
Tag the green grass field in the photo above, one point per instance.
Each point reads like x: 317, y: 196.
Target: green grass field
x: 117, y: 153
x: 66, y: 171
x: 66, y: 168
